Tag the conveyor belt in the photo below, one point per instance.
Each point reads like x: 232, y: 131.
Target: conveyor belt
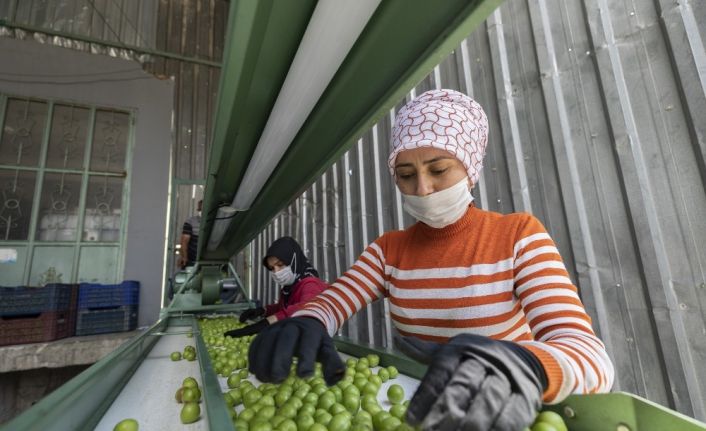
x: 149, y: 395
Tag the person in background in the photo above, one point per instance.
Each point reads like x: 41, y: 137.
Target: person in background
x: 190, y: 239
x: 483, y: 298
x: 299, y: 282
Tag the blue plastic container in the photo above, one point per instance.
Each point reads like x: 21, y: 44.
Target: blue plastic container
x: 100, y: 321
x: 94, y: 296
x: 15, y: 301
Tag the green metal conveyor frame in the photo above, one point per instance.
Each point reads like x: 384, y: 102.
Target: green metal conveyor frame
x: 81, y: 403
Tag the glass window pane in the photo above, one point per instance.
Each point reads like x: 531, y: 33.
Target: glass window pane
x: 51, y: 264
x: 22, y: 132
x: 16, y: 192
x: 98, y: 264
x: 12, y: 273
x: 58, y: 208
x: 67, y: 139
x: 110, y: 137
x: 103, y: 209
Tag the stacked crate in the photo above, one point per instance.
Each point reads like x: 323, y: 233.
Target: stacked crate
x: 107, y: 307
x: 37, y: 314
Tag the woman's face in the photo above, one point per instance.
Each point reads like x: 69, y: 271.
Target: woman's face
x: 274, y: 264
x: 426, y: 170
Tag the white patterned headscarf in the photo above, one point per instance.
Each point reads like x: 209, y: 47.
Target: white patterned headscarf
x: 443, y: 119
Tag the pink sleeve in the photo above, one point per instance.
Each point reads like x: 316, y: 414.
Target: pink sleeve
x: 307, y: 291
x: 272, y: 309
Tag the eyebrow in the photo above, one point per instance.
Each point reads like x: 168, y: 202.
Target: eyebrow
x: 426, y: 162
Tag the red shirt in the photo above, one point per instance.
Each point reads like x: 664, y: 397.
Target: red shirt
x: 302, y: 291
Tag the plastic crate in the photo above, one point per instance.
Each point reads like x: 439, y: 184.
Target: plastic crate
x: 36, y: 328
x: 19, y: 301
x: 102, y: 320
x: 108, y: 295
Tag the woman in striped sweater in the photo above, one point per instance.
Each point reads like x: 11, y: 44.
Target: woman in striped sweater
x: 483, y: 298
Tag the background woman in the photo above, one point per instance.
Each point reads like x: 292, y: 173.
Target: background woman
x: 298, y: 280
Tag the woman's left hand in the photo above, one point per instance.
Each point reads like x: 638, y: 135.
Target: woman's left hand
x: 475, y: 383
x: 248, y: 330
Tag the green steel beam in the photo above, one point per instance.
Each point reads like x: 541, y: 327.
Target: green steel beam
x: 216, y: 408
x: 81, y: 38
x: 401, y: 44
x: 87, y: 151
x: 261, y: 41
x: 36, y: 199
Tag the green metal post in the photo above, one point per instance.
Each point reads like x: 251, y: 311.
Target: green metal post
x: 38, y: 186
x: 125, y: 206
x: 82, y: 197
x: 216, y: 408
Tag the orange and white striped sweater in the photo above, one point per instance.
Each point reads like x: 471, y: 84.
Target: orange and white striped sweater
x: 490, y: 274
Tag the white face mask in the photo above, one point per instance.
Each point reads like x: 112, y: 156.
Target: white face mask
x: 283, y: 277
x: 442, y: 208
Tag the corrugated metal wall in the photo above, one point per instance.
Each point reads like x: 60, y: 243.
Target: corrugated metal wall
x: 192, y: 28
x: 598, y: 127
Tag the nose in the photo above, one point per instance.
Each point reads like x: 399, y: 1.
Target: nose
x: 424, y: 186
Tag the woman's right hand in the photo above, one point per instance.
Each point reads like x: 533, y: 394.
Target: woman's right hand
x: 251, y: 313
x: 271, y: 352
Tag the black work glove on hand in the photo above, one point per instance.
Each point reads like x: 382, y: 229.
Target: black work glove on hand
x: 248, y: 330
x: 475, y: 383
x: 271, y: 352
x: 251, y: 313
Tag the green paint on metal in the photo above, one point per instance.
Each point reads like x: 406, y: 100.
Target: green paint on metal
x: 81, y: 403
x: 609, y: 411
x: 210, y: 289
x: 38, y: 185
x: 216, y: 408
x: 82, y: 38
x: 401, y: 43
x: 82, y: 196
x: 262, y: 39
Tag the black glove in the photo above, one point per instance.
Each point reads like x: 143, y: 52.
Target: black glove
x: 271, y: 352
x: 251, y: 313
x: 248, y: 330
x: 475, y: 383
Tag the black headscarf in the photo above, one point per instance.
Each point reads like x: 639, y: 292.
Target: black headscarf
x: 285, y: 249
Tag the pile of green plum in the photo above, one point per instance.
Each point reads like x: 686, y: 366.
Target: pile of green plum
x: 302, y: 404
x: 308, y: 404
